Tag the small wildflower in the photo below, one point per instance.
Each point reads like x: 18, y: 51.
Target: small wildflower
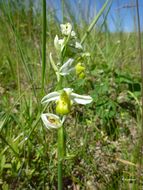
x: 66, y: 29
x: 75, y: 98
x: 52, y: 121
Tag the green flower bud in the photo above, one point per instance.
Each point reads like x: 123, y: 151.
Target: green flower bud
x: 80, y: 70
x: 63, y: 105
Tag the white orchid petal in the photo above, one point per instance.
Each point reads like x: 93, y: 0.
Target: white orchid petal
x: 81, y: 99
x: 53, y: 96
x: 67, y: 67
x: 67, y: 72
x: 47, y: 120
x: 58, y: 43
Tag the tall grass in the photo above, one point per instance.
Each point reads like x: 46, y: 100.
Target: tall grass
x: 141, y: 66
x: 44, y: 44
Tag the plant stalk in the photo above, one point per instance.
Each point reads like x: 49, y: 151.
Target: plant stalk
x: 96, y: 18
x: 43, y: 44
x: 61, y: 154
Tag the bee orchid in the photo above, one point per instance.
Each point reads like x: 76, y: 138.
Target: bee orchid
x: 52, y: 121
x: 74, y: 98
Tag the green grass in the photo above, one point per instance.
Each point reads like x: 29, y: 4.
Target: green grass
x: 104, y: 137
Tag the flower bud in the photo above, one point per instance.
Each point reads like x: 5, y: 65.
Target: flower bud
x: 63, y: 105
x: 80, y: 70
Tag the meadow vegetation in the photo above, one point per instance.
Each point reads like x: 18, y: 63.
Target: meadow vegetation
x: 103, y: 137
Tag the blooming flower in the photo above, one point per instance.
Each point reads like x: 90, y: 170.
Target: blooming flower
x: 64, y: 99
x: 66, y: 29
x: 52, y: 121
x: 75, y: 98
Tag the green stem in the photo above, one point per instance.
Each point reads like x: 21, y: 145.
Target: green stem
x: 44, y: 45
x: 61, y: 145
x: 61, y: 154
x: 94, y: 21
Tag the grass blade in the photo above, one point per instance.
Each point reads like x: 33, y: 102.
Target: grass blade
x: 94, y: 22
x: 44, y: 45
